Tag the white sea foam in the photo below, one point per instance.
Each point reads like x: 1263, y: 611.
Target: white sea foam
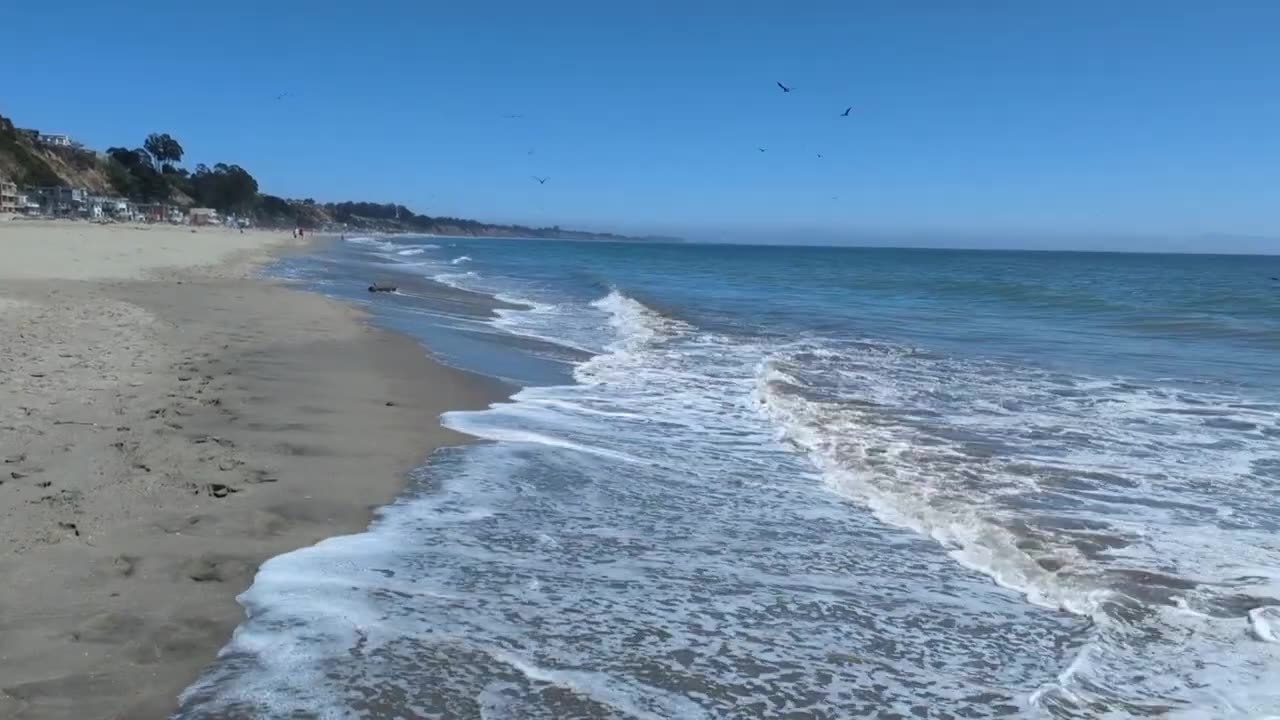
x: 489, y: 429
x: 643, y: 543
x: 644, y: 549
x: 635, y: 323
x: 460, y: 260
x: 460, y: 281
x: 643, y: 703
x: 1076, y: 492
x: 373, y: 242
x: 565, y: 324
x: 1265, y: 622
x: 392, y: 250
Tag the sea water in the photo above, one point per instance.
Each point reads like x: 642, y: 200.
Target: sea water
x: 794, y: 482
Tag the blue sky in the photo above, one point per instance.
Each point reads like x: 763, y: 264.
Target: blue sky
x: 991, y: 122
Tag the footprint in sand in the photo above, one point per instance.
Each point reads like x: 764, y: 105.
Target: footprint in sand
x: 220, y: 490
x: 215, y: 567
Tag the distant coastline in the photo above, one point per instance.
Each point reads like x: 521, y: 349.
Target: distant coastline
x: 398, y: 219
x: 51, y: 175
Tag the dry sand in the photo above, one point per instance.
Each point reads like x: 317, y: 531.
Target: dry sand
x: 166, y: 424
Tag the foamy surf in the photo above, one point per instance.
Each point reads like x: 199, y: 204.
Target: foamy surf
x: 739, y: 506
x: 583, y: 519
x: 459, y: 281
x: 392, y: 248
x: 373, y: 242
x: 1265, y: 623
x: 918, y: 472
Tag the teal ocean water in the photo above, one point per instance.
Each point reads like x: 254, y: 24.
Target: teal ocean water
x: 742, y: 482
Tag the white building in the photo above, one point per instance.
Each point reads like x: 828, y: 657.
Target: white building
x: 203, y: 216
x: 56, y: 140
x: 27, y: 206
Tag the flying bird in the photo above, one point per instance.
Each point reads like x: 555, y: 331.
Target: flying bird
x: 819, y: 156
x: 785, y: 89
x: 541, y: 180
x: 282, y: 96
x: 847, y: 111
x: 761, y: 149
x: 512, y: 116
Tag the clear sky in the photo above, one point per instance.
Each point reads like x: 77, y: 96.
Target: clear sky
x: 989, y: 122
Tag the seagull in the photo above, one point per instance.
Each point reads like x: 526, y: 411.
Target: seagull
x: 541, y: 180
x: 761, y: 149
x: 847, y: 111
x: 819, y: 156
x: 785, y: 89
x: 282, y: 96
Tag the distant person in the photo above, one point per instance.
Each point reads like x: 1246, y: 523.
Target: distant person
x: 295, y: 233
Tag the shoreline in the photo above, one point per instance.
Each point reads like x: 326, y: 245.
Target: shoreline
x: 165, y: 432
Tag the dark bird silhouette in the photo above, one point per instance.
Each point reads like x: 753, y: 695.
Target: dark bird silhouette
x: 530, y: 151
x: 512, y: 116
x: 847, y: 111
x: 762, y: 149
x: 819, y: 156
x: 282, y: 96
x: 785, y: 89
x: 541, y: 180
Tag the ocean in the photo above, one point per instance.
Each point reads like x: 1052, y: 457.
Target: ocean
x: 793, y: 482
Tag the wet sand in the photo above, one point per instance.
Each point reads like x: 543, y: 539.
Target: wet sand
x: 167, y: 423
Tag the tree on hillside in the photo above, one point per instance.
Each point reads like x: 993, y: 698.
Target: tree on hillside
x: 225, y: 187
x: 275, y: 208
x: 163, y: 148
x: 134, y: 175
x: 126, y: 157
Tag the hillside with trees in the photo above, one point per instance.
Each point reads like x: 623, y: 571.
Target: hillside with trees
x: 153, y: 173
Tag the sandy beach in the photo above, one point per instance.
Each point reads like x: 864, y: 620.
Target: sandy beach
x: 167, y: 423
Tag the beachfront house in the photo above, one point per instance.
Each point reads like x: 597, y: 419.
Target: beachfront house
x: 28, y: 206
x: 158, y: 213
x: 203, y: 216
x: 9, y: 196
x: 60, y: 201
x: 101, y: 207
